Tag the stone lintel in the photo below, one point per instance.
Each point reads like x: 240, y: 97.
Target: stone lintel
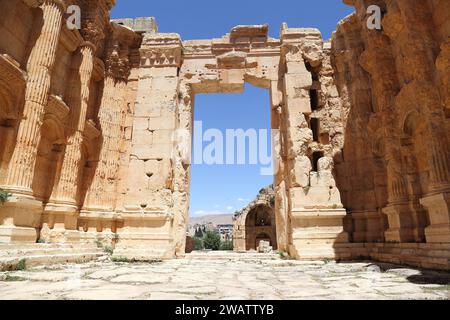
x: 140, y: 25
x: 249, y: 31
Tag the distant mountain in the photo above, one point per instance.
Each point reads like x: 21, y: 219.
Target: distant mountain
x: 215, y: 219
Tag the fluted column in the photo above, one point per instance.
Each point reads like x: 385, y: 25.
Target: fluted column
x: 94, y: 198
x: 40, y: 64
x: 378, y: 60
x: 21, y: 216
x: 118, y: 113
x: 101, y: 193
x: 66, y: 190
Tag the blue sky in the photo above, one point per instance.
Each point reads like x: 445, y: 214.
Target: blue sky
x: 226, y: 188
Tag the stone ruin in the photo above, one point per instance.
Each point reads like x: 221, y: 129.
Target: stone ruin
x: 265, y: 247
x: 87, y: 122
x: 256, y: 222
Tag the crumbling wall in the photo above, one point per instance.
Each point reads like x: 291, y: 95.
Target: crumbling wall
x: 394, y: 175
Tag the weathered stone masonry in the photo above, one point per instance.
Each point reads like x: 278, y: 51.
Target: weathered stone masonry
x: 394, y: 172
x: 96, y: 125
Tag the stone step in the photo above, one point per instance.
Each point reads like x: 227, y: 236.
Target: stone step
x: 45, y: 251
x: 219, y: 255
x: 12, y: 246
x: 11, y: 263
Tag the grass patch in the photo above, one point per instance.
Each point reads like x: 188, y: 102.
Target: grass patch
x: 121, y: 259
x: 99, y: 244
x: 10, y: 278
x: 445, y: 287
x: 108, y: 249
x: 21, y: 265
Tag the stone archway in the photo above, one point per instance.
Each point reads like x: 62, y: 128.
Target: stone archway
x: 171, y: 73
x: 260, y: 224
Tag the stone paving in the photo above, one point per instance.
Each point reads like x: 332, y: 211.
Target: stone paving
x: 225, y: 277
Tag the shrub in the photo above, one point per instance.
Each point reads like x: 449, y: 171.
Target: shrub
x: 272, y: 201
x: 21, y: 265
x: 212, y: 241
x: 108, y: 249
x: 120, y: 259
x: 11, y: 278
x: 4, y: 196
x: 99, y: 243
x: 198, y: 244
x: 227, y: 246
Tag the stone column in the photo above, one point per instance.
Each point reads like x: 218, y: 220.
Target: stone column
x: 40, y: 64
x: 99, y: 208
x: 379, y: 62
x: 23, y: 211
x: 63, y: 200
x: 358, y: 184
x: 100, y: 196
x: 313, y: 197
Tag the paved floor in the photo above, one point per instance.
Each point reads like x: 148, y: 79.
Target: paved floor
x: 223, y: 276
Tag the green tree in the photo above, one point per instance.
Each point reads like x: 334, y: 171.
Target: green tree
x: 198, y: 244
x: 227, y: 246
x: 212, y: 241
x: 198, y: 233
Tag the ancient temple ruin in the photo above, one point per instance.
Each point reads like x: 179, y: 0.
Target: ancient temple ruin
x: 256, y: 222
x: 96, y: 124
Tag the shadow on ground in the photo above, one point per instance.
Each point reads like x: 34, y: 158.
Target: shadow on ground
x: 413, y: 274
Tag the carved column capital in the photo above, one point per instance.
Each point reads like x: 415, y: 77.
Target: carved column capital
x: 37, y: 3
x: 92, y: 32
x: 117, y: 63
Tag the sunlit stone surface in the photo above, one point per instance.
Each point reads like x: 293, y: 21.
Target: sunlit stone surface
x: 88, y: 120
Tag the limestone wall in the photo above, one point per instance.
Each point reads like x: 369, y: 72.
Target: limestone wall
x: 394, y: 173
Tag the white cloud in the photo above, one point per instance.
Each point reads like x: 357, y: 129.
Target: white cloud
x: 243, y: 200
x: 229, y: 210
